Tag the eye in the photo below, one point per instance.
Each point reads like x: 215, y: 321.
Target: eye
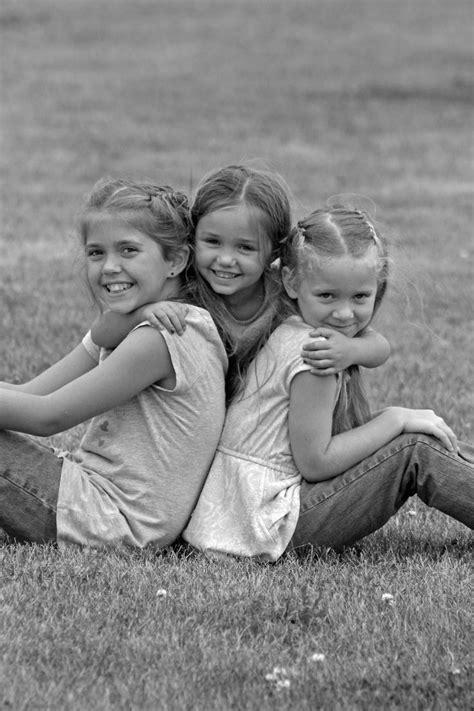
x: 248, y: 248
x: 94, y: 253
x: 325, y: 296
x: 212, y: 241
x: 361, y: 297
x: 128, y: 251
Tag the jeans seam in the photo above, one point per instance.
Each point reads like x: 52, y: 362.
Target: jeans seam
x: 46, y: 504
x: 389, y: 454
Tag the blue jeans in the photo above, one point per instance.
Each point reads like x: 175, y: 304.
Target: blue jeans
x: 342, y: 510
x: 29, y: 484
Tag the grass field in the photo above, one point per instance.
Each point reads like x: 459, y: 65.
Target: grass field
x: 365, y: 96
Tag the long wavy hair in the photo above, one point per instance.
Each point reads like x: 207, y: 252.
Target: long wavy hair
x: 335, y: 232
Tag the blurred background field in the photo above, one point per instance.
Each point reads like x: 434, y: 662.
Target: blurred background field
x: 340, y: 96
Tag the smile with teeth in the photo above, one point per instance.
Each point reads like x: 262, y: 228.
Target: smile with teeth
x: 118, y: 287
x: 224, y: 275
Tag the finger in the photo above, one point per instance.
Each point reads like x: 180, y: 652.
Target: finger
x: 176, y: 323
x: 322, y: 372
x: 166, y: 324
x: 319, y: 364
x: 448, y: 432
x: 317, y: 346
x: 320, y: 332
x: 451, y: 436
x: 440, y: 434
x: 153, y: 321
x: 182, y: 323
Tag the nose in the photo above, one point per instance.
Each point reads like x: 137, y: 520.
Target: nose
x: 111, y: 264
x: 343, y: 312
x: 226, y: 258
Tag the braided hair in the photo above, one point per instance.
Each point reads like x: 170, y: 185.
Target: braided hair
x: 158, y: 211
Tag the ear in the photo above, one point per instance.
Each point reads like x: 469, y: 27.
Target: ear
x: 179, y: 261
x: 289, y: 282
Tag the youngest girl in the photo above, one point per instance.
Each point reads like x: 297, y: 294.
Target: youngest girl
x: 156, y: 402
x: 301, y: 460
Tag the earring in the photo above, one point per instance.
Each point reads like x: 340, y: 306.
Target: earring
x: 171, y: 273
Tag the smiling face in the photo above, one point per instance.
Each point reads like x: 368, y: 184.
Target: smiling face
x: 125, y: 268
x: 337, y: 293
x: 231, y: 253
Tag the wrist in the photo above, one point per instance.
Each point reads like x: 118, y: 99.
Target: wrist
x: 396, y: 419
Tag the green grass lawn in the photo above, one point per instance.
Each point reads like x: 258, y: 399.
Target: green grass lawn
x: 355, y: 96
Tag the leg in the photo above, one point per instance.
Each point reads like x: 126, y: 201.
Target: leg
x: 342, y: 510
x: 29, y: 484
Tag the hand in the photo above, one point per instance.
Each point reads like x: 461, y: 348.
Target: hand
x: 328, y: 352
x: 427, y: 422
x: 166, y: 315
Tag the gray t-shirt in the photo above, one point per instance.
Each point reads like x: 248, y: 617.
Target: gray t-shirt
x: 140, y: 467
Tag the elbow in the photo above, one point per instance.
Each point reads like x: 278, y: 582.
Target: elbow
x: 314, y: 467
x: 47, y: 421
x: 45, y: 428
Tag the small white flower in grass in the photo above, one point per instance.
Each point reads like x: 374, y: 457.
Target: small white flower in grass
x: 278, y: 677
x: 318, y: 657
x: 454, y: 669
x: 161, y: 592
x: 277, y: 673
x: 388, y: 599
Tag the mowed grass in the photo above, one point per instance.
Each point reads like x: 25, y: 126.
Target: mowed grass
x: 368, y: 96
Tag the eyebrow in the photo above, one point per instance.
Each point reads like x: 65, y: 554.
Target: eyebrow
x: 121, y: 243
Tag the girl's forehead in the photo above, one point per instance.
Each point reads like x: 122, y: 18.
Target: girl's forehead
x: 105, y: 224
x: 240, y: 219
x: 313, y: 260
x: 341, y: 267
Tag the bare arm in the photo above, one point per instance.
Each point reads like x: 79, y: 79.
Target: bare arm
x: 371, y: 349
x: 110, y: 328
x: 142, y: 359
x: 319, y: 455
x: 74, y: 364
x: 330, y: 352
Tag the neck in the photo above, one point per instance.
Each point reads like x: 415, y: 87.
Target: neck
x: 246, y: 303
x: 171, y: 288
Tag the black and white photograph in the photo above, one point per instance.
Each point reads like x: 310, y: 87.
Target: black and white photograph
x: 236, y: 355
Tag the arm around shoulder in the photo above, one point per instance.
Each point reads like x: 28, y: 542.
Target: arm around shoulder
x: 372, y: 349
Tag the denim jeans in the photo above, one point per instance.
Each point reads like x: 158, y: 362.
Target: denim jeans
x: 342, y: 510
x: 29, y: 484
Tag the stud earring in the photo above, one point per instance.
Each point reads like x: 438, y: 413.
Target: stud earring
x: 171, y: 273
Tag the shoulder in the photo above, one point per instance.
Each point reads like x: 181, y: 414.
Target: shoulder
x: 293, y: 332
x: 200, y: 319
x: 201, y: 329
x: 282, y: 354
x: 199, y: 349
x: 142, y: 344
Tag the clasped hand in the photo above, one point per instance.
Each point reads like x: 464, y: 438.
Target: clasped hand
x: 329, y: 352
